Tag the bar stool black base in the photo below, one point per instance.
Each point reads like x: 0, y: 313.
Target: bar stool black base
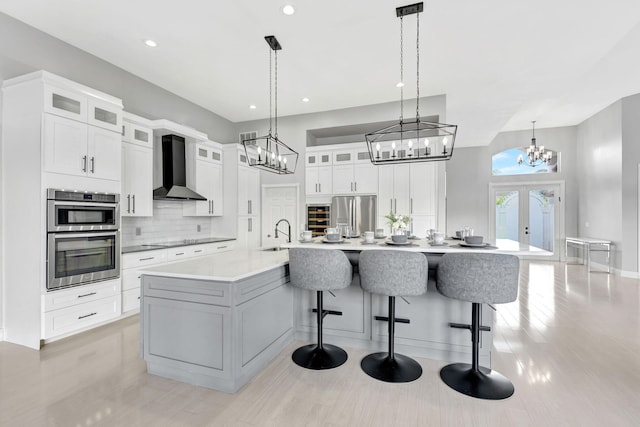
x: 401, y: 369
x: 485, y: 384
x: 313, y: 357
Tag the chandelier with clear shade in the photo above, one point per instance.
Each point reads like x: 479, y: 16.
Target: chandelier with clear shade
x: 269, y: 152
x: 535, y: 155
x: 413, y: 140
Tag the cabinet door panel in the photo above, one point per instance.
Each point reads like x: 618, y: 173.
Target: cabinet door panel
x: 311, y: 180
x: 325, y: 180
x: 104, y: 153
x: 343, y: 179
x: 217, y: 203
x: 137, y: 181
x: 104, y: 115
x: 65, y: 103
x: 401, y: 189
x: 365, y: 177
x: 385, y: 190
x: 423, y: 189
x: 65, y: 146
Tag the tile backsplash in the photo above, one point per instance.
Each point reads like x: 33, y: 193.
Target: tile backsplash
x: 167, y: 224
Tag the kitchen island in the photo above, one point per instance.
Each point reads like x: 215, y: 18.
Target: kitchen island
x: 217, y: 320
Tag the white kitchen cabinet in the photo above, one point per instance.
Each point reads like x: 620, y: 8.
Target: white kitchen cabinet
x: 65, y: 103
x: 358, y: 178
x: 248, y: 191
x: 319, y: 158
x: 423, y: 197
x: 74, y: 148
x: 409, y: 189
x: 137, y: 168
x: 48, y: 141
x: 248, y: 208
x: 319, y: 181
x: 75, y: 105
x: 393, y: 189
x: 205, y: 176
x: 79, y: 307
x: 249, y: 231
x: 137, y: 130
x: 104, y: 153
x: 104, y: 115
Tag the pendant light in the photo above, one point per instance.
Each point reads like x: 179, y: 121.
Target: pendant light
x: 413, y: 140
x: 271, y: 154
x: 535, y: 155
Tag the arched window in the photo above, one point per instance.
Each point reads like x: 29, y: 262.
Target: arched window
x: 506, y: 163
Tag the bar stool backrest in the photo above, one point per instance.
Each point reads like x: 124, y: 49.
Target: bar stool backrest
x: 481, y: 278
x: 319, y: 269
x: 393, y: 273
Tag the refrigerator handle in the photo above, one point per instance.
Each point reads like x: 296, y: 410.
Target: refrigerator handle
x: 353, y: 216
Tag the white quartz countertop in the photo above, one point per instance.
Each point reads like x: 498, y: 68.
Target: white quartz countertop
x: 225, y: 266
x: 422, y: 245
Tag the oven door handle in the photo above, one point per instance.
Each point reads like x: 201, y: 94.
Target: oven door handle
x: 84, y: 205
x: 75, y: 235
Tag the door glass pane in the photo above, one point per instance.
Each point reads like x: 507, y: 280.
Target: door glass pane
x: 507, y: 215
x: 541, y: 219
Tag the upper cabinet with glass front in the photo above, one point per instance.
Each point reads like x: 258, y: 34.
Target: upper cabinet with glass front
x: 74, y: 101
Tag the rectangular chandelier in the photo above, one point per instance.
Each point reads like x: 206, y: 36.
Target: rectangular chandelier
x: 412, y: 141
x: 271, y: 154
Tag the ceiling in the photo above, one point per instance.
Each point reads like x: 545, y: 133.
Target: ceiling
x: 501, y: 63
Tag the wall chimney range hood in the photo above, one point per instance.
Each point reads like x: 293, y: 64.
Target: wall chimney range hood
x: 174, y: 177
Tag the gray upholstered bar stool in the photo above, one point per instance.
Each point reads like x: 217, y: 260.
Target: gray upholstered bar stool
x: 319, y: 270
x: 393, y: 273
x: 478, y: 278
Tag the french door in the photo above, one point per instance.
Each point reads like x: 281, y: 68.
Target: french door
x: 532, y: 214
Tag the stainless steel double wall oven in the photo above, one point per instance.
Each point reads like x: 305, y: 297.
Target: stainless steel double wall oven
x: 83, y: 237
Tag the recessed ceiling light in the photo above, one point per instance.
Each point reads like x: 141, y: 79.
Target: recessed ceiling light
x: 288, y: 10
x: 150, y: 43
x: 305, y: 99
x: 252, y: 107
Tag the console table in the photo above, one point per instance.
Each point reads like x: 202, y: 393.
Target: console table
x: 591, y: 245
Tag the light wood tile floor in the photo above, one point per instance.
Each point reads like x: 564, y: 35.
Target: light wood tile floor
x: 570, y: 344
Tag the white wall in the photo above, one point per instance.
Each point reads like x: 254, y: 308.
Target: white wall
x: 630, y: 162
x: 599, y: 165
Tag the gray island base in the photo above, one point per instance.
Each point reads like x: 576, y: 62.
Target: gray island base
x: 217, y: 321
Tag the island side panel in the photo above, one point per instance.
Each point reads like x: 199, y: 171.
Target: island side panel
x: 213, y: 333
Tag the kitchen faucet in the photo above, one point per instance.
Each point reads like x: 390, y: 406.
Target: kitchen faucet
x: 289, y: 229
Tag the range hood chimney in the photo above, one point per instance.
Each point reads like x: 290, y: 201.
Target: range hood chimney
x: 174, y: 177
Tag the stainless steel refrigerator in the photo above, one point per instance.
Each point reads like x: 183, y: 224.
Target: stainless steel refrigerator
x: 358, y: 212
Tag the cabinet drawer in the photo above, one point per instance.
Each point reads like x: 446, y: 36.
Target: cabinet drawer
x: 58, y: 322
x: 223, y: 246
x: 139, y: 259
x: 131, y: 300
x: 131, y: 279
x: 65, y: 103
x: 180, y: 253
x: 55, y: 300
